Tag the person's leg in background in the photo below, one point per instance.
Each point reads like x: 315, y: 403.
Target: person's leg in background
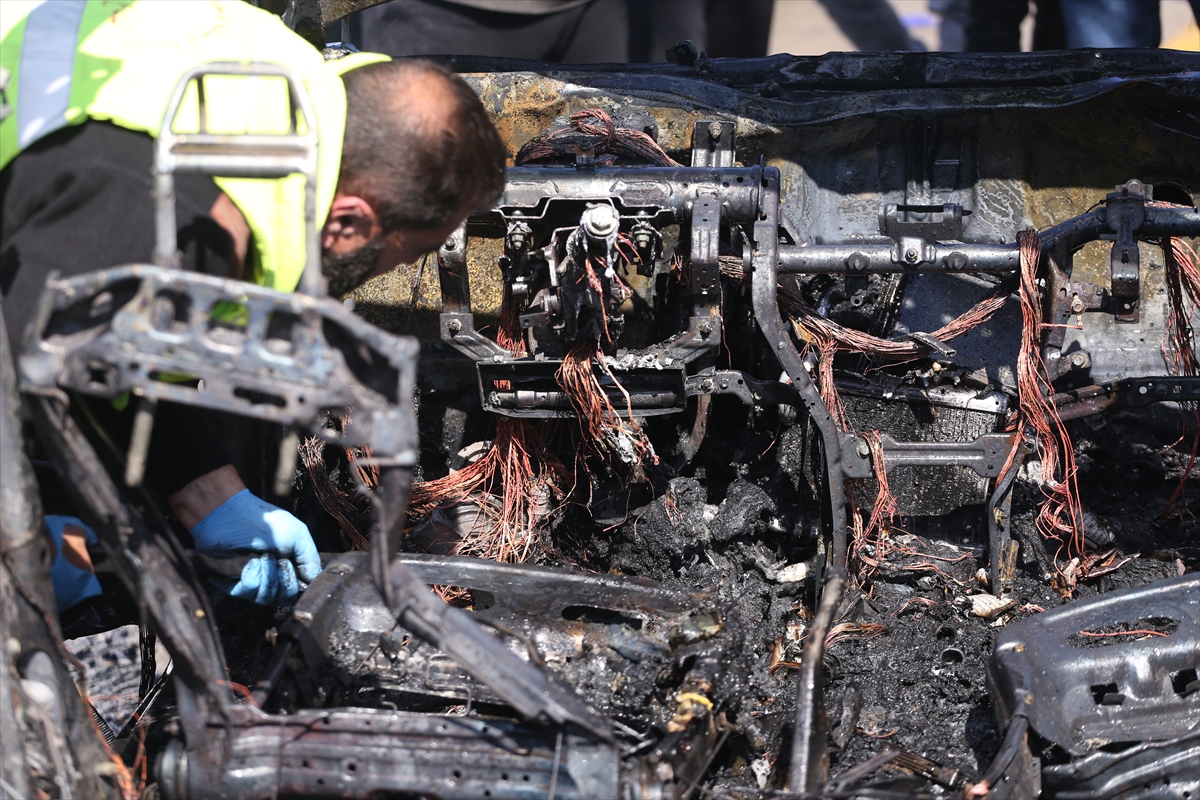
x: 656, y: 26
x: 1111, y: 23
x: 594, y: 33
x: 994, y: 26
x: 871, y: 26
x: 1049, y: 33
x: 739, y: 28
x: 435, y: 27
x: 952, y: 32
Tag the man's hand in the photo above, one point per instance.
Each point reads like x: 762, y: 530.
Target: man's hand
x: 244, y: 522
x: 72, y: 573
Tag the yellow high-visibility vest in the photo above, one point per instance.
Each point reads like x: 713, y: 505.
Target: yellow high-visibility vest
x: 119, y: 60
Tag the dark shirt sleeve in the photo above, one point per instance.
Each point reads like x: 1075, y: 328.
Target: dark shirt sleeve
x: 82, y: 200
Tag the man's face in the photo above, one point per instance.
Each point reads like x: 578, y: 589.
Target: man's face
x: 355, y: 248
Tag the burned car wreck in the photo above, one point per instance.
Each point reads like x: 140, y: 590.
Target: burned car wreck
x: 790, y: 427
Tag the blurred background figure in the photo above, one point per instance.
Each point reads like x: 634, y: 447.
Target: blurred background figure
x: 872, y: 26
x: 616, y: 31
x: 952, y: 28
x: 722, y: 28
x: 994, y: 26
x: 808, y: 27
x: 566, y: 31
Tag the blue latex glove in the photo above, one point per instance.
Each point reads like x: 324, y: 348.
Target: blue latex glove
x: 73, y: 578
x: 244, y: 522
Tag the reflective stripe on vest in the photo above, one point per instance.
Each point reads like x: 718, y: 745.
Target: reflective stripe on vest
x: 118, y: 61
x: 47, y: 64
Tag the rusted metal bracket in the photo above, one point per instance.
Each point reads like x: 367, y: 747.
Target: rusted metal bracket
x: 985, y: 455
x: 706, y: 243
x: 1127, y: 393
x: 713, y: 143
x: 764, y: 292
x: 1125, y: 211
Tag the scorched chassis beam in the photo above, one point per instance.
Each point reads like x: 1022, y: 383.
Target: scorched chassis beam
x: 749, y: 198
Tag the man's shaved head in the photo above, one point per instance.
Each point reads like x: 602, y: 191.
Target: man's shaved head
x: 419, y: 146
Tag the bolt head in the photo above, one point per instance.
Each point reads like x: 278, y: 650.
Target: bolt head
x: 858, y: 261
x: 862, y: 448
x: 714, y: 130
x: 911, y: 255
x: 454, y: 326
x: 600, y: 221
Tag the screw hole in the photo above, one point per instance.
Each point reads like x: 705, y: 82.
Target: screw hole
x: 952, y: 655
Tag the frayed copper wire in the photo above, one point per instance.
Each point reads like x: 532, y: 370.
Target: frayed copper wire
x: 603, y: 430
x: 826, y: 338
x: 885, y: 510
x: 595, y: 127
x: 1179, y: 341
x: 339, y: 505
x: 505, y: 482
x: 825, y: 333
x: 1060, y: 514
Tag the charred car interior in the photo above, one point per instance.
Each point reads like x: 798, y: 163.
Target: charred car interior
x: 798, y: 427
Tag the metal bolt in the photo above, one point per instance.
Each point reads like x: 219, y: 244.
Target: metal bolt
x: 858, y: 261
x: 911, y: 255
x: 272, y: 636
x: 450, y: 244
x: 600, y: 221
x: 714, y: 130
x: 1080, y: 360
x: 1076, y: 305
x: 705, y: 328
x: 706, y: 385
x: 454, y: 326
x: 862, y: 448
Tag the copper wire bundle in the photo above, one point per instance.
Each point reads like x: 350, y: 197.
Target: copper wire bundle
x: 604, y: 433
x: 819, y: 329
x: 506, y: 481
x: 596, y: 125
x: 1179, y: 342
x: 1061, y: 514
x: 337, y: 504
x: 827, y: 339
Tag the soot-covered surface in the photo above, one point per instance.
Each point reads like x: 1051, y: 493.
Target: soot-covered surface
x: 906, y: 660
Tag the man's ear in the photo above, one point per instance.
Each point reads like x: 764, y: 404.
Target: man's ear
x: 351, y: 224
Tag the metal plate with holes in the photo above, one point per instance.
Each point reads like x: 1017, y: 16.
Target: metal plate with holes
x: 1132, y: 688
x: 140, y: 329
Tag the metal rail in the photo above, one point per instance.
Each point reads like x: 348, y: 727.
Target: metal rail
x: 238, y: 156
